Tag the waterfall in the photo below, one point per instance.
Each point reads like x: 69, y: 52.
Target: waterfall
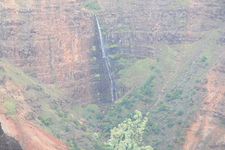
x: 107, y: 62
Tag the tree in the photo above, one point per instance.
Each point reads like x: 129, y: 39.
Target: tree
x: 128, y: 134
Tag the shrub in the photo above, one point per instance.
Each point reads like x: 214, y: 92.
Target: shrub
x: 67, y: 129
x: 175, y: 95
x: 91, y: 124
x: 98, y: 116
x: 46, y: 120
x: 129, y: 106
x: 113, y: 46
x: 10, y: 106
x: 128, y: 103
x: 93, y: 5
x: 60, y: 113
x: 156, y: 142
x: 147, y: 99
x: 156, y: 128
x: 87, y: 135
x: 106, y: 127
x: 118, y: 109
x: 170, y: 124
x: 83, y: 127
x: 138, y: 95
x: 180, y: 112
x: 76, y: 122
x: 162, y: 107
x: 203, y: 58
x: 92, y: 108
x: 112, y: 113
x: 146, y: 89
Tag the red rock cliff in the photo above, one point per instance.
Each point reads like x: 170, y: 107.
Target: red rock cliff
x: 50, y: 40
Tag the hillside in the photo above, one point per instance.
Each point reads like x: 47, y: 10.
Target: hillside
x: 163, y: 58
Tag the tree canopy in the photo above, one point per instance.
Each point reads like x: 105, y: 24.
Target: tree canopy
x: 128, y: 134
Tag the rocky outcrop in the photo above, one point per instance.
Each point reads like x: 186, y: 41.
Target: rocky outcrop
x: 7, y: 142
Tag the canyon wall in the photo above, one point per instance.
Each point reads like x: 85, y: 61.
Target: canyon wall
x: 50, y: 40
x: 57, y: 42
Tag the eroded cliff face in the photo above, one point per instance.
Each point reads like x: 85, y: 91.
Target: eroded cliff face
x: 208, y: 130
x: 50, y: 40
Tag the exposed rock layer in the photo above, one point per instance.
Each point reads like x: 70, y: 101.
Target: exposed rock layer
x: 50, y: 40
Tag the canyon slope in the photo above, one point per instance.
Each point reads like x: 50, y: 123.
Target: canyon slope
x: 166, y: 58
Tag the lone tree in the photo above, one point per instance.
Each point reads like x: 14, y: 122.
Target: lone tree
x: 128, y: 134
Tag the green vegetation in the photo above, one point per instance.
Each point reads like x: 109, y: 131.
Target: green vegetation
x: 136, y: 74
x: 128, y: 134
x: 112, y: 46
x: 203, y: 58
x: 184, y: 2
x: 46, y: 120
x: 92, y: 5
x: 93, y: 58
x: 10, y: 106
x: 93, y: 48
x: 97, y: 75
x: 175, y: 95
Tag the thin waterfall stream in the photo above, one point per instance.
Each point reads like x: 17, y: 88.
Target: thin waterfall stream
x: 107, y: 63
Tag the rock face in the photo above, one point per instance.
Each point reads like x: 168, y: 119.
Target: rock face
x: 51, y: 41
x: 144, y: 23
x: 7, y: 142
